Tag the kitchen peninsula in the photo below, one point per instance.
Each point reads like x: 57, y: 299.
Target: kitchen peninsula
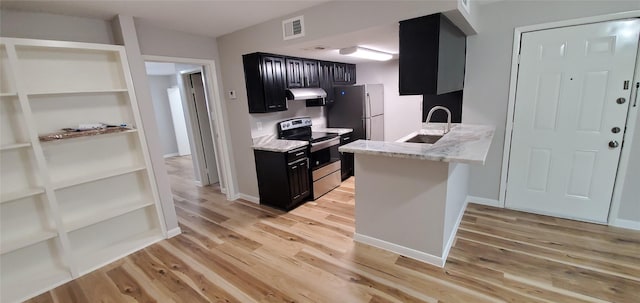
x: 410, y: 197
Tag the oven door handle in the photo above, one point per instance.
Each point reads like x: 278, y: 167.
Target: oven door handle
x: 324, y: 144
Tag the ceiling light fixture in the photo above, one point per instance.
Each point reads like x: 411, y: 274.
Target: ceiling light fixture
x: 365, y: 53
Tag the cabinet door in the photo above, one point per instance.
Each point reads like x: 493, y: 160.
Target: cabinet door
x: 295, y: 70
x: 326, y: 79
x: 339, y: 73
x: 294, y: 181
x: 350, y: 74
x: 299, y: 181
x: 273, y: 78
x: 303, y: 178
x: 311, y: 78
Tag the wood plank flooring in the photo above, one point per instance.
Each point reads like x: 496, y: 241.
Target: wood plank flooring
x: 243, y: 252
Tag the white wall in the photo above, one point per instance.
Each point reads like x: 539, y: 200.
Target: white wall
x: 158, y: 41
x: 488, y: 71
x: 18, y: 24
x: 325, y: 20
x: 265, y: 124
x: 158, y: 87
x: 630, y: 206
x: 402, y: 114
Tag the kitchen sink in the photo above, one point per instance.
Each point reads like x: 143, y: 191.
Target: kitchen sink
x: 428, y: 139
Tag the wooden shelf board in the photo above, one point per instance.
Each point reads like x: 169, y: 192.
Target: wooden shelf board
x: 86, y: 134
x: 104, y: 215
x: 16, y: 195
x: 98, y: 176
x: 33, y: 282
x: 75, y: 92
x: 27, y: 241
x: 14, y: 146
x: 88, y: 262
x: 8, y: 94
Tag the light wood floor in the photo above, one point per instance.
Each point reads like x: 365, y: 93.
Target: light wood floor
x: 242, y: 252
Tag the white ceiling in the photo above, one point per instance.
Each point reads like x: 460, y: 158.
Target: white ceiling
x: 214, y: 18
x: 383, y: 38
x: 210, y: 18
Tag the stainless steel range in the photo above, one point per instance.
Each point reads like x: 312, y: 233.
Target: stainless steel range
x: 324, y: 156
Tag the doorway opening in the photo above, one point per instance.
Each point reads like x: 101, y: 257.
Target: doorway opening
x: 181, y: 101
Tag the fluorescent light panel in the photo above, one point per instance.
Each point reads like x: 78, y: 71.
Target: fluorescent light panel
x: 365, y: 53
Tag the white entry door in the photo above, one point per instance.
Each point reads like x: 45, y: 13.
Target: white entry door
x: 565, y: 148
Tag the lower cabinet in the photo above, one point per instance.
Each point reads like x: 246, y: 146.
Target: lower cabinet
x: 283, y: 177
x: 347, y: 161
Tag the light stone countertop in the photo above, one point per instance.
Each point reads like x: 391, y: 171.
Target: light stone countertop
x: 339, y: 131
x: 272, y: 143
x: 466, y: 143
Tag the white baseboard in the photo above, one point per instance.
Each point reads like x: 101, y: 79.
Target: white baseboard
x: 629, y: 224
x: 198, y: 183
x: 171, y: 155
x: 484, y: 201
x: 249, y: 198
x: 173, y: 232
x: 452, y: 237
x: 401, y: 250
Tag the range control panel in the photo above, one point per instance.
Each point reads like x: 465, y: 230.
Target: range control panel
x: 294, y: 123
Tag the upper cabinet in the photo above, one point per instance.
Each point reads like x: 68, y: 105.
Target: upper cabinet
x: 295, y: 78
x: 344, y: 74
x: 302, y: 73
x: 265, y: 77
x: 432, y: 56
x: 310, y: 73
x: 326, y: 79
x: 268, y: 76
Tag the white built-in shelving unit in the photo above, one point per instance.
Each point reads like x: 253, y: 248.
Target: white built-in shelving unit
x: 69, y: 206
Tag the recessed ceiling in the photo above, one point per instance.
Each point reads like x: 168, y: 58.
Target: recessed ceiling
x: 383, y: 38
x: 207, y: 18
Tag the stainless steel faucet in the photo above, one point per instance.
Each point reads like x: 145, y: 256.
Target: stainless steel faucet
x: 435, y: 108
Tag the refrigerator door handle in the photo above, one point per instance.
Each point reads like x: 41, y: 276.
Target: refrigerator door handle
x: 364, y: 126
x: 368, y: 106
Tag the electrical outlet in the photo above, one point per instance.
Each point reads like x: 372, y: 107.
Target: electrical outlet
x: 232, y: 95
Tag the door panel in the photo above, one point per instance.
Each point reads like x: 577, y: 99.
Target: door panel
x: 547, y: 98
x: 376, y: 129
x: 568, y: 81
x: 375, y: 100
x: 204, y: 128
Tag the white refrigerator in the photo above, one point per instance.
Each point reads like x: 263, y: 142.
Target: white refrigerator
x: 360, y: 107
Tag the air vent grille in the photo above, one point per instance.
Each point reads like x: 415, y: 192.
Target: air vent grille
x: 293, y: 28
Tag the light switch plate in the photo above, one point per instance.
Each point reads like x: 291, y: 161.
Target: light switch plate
x: 232, y: 94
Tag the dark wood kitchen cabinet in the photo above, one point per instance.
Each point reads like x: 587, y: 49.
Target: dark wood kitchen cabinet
x: 326, y: 79
x: 265, y: 77
x: 432, y: 56
x: 302, y: 73
x: 346, y: 159
x: 310, y: 71
x: 283, y: 177
x: 344, y: 74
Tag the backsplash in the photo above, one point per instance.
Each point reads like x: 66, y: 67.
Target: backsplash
x: 265, y: 124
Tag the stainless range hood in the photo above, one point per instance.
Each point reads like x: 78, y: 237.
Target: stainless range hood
x: 306, y: 93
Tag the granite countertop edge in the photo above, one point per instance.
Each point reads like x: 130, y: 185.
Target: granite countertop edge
x: 465, y: 143
x: 271, y: 143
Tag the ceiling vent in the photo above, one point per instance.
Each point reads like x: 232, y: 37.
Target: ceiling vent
x: 293, y: 28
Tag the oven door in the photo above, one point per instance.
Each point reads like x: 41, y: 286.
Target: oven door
x: 324, y: 153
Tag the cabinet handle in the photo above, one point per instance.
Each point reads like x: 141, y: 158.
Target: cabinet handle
x: 346, y: 138
x: 272, y: 106
x: 300, y: 154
